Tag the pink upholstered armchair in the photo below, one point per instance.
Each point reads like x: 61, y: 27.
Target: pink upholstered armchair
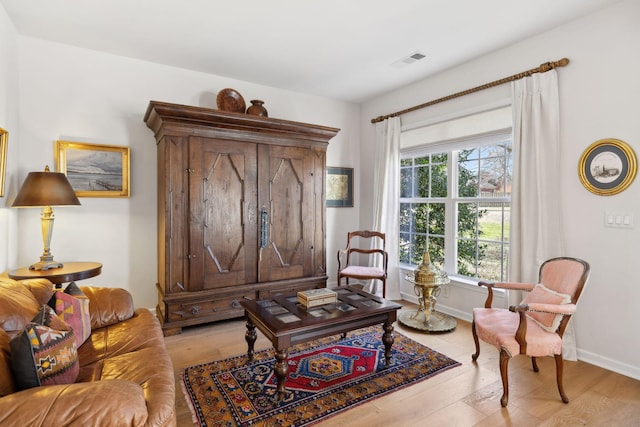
x: 350, y: 269
x: 536, y: 326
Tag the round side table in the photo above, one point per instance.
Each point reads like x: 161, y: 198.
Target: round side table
x: 69, y: 272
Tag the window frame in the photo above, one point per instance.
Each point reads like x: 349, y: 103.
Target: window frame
x: 451, y: 148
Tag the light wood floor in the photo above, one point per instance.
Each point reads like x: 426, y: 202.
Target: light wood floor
x: 468, y: 395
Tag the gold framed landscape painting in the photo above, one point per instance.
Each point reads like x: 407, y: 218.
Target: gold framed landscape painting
x: 94, y: 170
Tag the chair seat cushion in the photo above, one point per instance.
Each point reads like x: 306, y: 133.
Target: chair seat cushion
x: 498, y: 326
x: 361, y: 271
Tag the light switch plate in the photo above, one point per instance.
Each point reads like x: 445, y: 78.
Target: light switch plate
x: 618, y: 219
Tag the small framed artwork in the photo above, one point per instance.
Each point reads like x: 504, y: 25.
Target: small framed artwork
x: 339, y: 187
x: 607, y: 167
x: 4, y: 140
x: 94, y: 170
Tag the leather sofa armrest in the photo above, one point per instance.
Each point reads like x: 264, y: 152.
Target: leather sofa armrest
x: 108, y: 305
x: 42, y: 289
x: 99, y: 403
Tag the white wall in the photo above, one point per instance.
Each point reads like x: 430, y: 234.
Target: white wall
x: 82, y: 95
x: 599, y: 91
x: 9, y: 122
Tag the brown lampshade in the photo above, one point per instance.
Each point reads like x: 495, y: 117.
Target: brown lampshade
x: 46, y: 189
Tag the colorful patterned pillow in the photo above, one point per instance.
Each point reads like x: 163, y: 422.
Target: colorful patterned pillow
x: 44, y: 352
x: 73, y: 307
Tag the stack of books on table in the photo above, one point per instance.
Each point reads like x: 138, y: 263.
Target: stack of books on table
x: 315, y: 297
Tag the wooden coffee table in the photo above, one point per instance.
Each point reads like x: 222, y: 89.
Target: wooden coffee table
x: 285, y: 322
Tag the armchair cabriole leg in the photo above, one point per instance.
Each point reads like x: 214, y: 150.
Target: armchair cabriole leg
x: 474, y: 356
x: 504, y: 363
x: 534, y: 364
x: 559, y: 372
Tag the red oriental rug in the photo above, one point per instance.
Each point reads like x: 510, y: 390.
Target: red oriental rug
x: 326, y: 376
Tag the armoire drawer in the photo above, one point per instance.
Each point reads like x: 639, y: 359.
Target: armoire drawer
x: 219, y: 307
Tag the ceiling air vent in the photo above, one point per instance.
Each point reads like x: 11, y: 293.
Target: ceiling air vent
x: 407, y: 60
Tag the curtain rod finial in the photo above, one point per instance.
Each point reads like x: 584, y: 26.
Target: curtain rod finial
x: 551, y: 65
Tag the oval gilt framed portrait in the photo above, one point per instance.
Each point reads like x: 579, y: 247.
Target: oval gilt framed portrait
x: 607, y: 167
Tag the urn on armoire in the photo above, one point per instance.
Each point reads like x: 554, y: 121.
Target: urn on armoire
x: 257, y: 108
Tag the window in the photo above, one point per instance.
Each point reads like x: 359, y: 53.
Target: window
x: 456, y: 197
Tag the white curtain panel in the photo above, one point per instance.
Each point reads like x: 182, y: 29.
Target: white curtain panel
x: 386, y: 198
x: 536, y: 210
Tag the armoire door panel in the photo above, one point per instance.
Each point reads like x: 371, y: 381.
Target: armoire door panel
x: 221, y: 182
x: 285, y: 191
x: 173, y: 248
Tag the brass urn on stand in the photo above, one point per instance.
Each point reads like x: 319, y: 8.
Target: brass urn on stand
x: 427, y: 280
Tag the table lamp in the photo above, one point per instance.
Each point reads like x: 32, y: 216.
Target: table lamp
x: 46, y: 189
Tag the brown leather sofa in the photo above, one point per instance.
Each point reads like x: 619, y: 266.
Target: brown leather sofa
x: 125, y: 377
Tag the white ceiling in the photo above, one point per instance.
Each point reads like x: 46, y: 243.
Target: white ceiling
x: 340, y: 49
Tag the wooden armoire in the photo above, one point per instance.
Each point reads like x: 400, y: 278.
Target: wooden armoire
x: 241, y: 210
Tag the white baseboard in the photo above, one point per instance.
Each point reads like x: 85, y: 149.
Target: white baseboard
x: 610, y: 364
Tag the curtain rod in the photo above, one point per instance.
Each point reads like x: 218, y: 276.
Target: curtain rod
x: 543, y: 68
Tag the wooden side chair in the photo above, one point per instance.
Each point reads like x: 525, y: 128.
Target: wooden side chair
x: 351, y: 270
x: 535, y: 327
